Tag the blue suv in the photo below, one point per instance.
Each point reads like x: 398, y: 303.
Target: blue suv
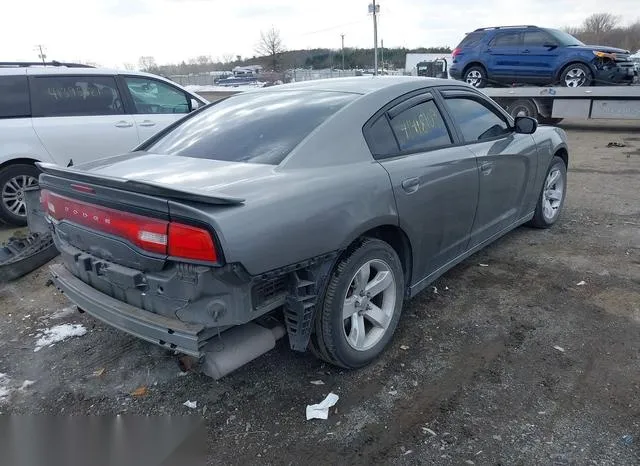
x: 508, y: 55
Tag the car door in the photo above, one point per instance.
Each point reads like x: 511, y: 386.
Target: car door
x: 507, y: 162
x: 80, y: 118
x: 434, y: 182
x: 155, y: 104
x: 504, y: 52
x: 540, y: 53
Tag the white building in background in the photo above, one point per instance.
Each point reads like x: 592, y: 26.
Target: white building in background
x: 249, y: 70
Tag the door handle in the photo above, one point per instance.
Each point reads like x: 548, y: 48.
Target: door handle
x: 411, y: 185
x: 525, y: 51
x: 123, y: 124
x: 486, y: 167
x: 147, y: 123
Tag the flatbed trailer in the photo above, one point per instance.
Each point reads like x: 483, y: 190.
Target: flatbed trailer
x: 549, y: 105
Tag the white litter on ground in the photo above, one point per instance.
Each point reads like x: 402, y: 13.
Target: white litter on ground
x: 483, y: 265
x: 4, y: 387
x: 191, y: 404
x: 67, y: 311
x: 59, y: 333
x: 317, y: 382
x: 581, y: 283
x: 321, y: 410
x: 26, y: 384
x: 559, y: 348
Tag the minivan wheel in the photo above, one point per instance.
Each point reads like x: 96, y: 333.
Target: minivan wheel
x: 13, y: 181
x: 552, y: 195
x: 361, y: 307
x: 576, y: 75
x: 476, y: 76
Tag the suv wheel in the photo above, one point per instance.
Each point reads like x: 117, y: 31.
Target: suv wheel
x: 361, y: 307
x: 13, y: 180
x: 476, y: 76
x: 576, y: 75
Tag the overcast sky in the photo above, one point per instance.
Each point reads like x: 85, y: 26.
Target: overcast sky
x: 114, y: 32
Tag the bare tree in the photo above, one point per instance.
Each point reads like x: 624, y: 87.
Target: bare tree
x: 147, y: 63
x: 129, y: 66
x: 203, y: 59
x: 270, y: 45
x: 599, y: 24
x: 227, y: 58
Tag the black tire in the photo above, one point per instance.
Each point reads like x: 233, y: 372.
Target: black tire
x: 329, y: 340
x: 577, y: 68
x: 540, y: 220
x: 8, y: 173
x: 476, y: 76
x: 523, y: 107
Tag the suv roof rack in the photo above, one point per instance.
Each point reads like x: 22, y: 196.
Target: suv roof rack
x: 506, y: 27
x: 22, y: 64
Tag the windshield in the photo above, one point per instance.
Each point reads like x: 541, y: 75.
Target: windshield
x: 258, y: 127
x: 564, y: 38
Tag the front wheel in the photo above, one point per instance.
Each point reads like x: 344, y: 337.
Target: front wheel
x: 13, y: 181
x: 576, y: 75
x: 552, y: 195
x: 361, y: 306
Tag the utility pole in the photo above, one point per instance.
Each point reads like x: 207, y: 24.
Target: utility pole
x: 382, y: 53
x: 342, y: 36
x: 41, y: 55
x: 373, y: 8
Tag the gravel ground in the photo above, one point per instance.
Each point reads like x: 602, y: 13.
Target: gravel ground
x: 531, y: 358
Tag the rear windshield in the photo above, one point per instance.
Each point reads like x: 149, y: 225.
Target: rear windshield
x: 14, y: 97
x: 252, y: 127
x: 471, y: 39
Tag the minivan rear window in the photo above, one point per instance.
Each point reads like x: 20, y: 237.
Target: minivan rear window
x: 14, y: 97
x: 471, y: 39
x: 252, y: 127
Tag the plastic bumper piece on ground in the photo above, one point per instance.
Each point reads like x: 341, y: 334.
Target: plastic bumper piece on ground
x: 168, y: 333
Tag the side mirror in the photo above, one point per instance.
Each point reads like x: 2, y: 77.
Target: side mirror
x: 525, y: 125
x: 195, y: 105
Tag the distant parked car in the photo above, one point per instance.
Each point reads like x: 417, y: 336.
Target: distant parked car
x: 328, y: 202
x: 533, y: 55
x: 69, y: 114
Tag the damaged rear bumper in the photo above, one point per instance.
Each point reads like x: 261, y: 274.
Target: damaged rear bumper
x: 170, y: 333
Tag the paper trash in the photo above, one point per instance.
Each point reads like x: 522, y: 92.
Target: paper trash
x: 321, y: 410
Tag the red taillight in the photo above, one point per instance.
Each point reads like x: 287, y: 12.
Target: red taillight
x: 150, y: 234
x: 455, y: 53
x: 191, y: 243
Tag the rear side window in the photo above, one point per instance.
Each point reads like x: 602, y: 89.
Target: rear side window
x: 471, y: 39
x: 75, y: 96
x: 380, y: 138
x: 507, y: 39
x: 420, y: 128
x: 252, y: 127
x: 538, y: 38
x: 476, y: 121
x: 14, y: 97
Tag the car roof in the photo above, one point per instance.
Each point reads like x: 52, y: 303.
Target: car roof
x: 358, y: 85
x: 70, y: 71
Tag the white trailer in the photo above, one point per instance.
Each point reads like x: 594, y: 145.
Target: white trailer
x: 551, y: 104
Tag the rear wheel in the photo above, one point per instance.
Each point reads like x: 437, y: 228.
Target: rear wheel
x: 576, y: 75
x: 476, y: 76
x: 13, y: 181
x: 361, y: 306
x: 552, y: 195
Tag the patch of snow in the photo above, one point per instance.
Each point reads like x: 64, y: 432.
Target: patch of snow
x: 59, y: 333
x: 190, y: 404
x: 5, y: 391
x: 26, y: 384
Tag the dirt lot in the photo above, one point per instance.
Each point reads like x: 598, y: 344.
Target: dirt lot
x: 515, y: 362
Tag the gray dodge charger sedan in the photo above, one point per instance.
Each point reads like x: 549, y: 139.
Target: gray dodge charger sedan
x: 308, y: 210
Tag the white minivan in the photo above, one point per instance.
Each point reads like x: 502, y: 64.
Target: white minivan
x: 69, y: 114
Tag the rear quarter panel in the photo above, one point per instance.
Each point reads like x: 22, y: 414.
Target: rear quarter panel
x: 19, y: 140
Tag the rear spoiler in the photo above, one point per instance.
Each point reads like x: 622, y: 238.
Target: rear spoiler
x: 143, y: 187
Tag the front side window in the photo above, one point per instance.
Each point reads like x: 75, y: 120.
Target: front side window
x: 75, y: 96
x: 14, y: 97
x: 476, y: 121
x: 420, y: 128
x: 153, y: 96
x: 507, y: 39
x: 260, y: 127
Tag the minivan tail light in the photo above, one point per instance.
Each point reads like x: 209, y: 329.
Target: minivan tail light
x: 150, y: 234
x: 455, y: 52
